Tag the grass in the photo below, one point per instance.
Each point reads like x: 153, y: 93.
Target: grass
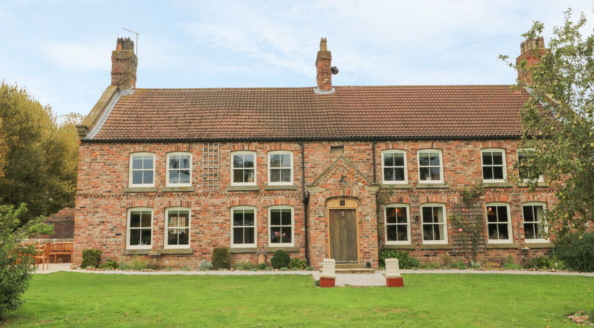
x: 68, y: 299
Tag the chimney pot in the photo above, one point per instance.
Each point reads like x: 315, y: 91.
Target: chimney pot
x: 124, y: 64
x: 324, y: 68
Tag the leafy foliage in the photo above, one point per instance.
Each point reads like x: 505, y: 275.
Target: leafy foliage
x: 510, y: 265
x: 39, y: 153
x: 544, y: 262
x: 577, y: 251
x: 205, y: 265
x: 459, y: 265
x: 221, y: 258
x: 558, y: 121
x: 16, y: 263
x: 297, y: 263
x: 91, y: 258
x: 405, y: 261
x: 280, y: 259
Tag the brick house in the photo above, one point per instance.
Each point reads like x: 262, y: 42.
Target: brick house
x: 321, y: 172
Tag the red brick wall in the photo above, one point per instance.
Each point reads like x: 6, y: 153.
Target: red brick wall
x: 102, y: 204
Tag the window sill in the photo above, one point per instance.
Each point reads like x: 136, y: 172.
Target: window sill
x: 178, y: 189
x: 539, y: 245
x: 286, y: 249
x: 432, y: 186
x: 140, y: 189
x: 245, y: 250
x: 437, y: 246
x: 400, y: 247
x: 497, y: 185
x: 243, y: 188
x: 137, y: 251
x: 280, y: 187
x: 177, y: 251
x: 396, y: 186
x: 538, y: 184
x: 502, y: 246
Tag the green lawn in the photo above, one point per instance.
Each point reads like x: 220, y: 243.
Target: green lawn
x: 428, y: 300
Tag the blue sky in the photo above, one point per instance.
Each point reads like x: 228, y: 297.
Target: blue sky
x: 60, y: 50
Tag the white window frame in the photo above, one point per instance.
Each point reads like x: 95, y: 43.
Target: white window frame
x: 542, y: 224
x: 408, y: 225
x: 445, y: 225
x: 128, y: 214
x: 493, y: 150
x: 233, y: 183
x: 166, y: 240
x: 169, y: 184
x: 281, y: 207
x: 255, y: 227
x: 270, y: 168
x: 441, y: 164
x: 540, y: 177
x: 510, y: 240
x: 395, y: 151
x: 131, y: 170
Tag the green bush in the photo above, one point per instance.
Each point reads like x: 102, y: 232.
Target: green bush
x: 404, y: 259
x: 283, y: 269
x: 91, y: 258
x: 280, y: 259
x: 221, y: 258
x: 459, y: 265
x: 204, y: 265
x: 110, y: 265
x: 510, y: 265
x: 262, y: 266
x: 298, y: 264
x: 309, y: 268
x: 244, y: 265
x: 577, y: 251
x: 138, y: 264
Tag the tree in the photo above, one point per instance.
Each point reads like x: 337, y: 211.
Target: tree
x: 558, y: 121
x: 16, y: 264
x: 3, y: 151
x: 41, y: 157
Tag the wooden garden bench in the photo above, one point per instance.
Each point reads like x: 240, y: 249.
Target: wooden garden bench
x: 61, y: 249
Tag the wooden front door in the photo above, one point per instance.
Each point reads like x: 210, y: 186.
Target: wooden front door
x: 343, y: 235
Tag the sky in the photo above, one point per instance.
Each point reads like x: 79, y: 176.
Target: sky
x: 60, y: 50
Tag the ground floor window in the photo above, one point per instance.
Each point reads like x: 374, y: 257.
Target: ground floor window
x: 177, y: 228
x: 534, y: 228
x: 499, y: 223
x: 397, y: 224
x: 434, y: 224
x: 281, y: 226
x: 243, y: 230
x: 140, y: 228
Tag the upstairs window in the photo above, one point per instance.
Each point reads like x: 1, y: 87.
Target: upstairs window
x: 434, y: 224
x: 534, y: 228
x: 397, y: 224
x: 244, y: 168
x: 142, y: 170
x: 280, y: 168
x: 430, y: 166
x: 499, y: 229
x: 140, y: 228
x: 394, y: 167
x: 494, y: 169
x: 281, y: 226
x: 177, y: 228
x: 179, y: 169
x: 243, y: 227
x: 525, y: 171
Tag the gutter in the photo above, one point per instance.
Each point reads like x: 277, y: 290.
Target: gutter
x: 373, y: 155
x: 305, y: 194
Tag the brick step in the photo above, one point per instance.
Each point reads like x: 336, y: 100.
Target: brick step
x: 355, y: 270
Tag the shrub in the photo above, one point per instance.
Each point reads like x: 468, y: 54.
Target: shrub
x: 262, y: 266
x: 309, y: 268
x: 280, y: 259
x: 185, y: 269
x: 298, y: 264
x: 459, y: 265
x: 91, y: 258
x: 221, y: 258
x: 510, y: 265
x: 138, y: 264
x: 110, y: 264
x: 577, y: 251
x: 404, y: 259
x: 284, y: 269
x: 205, y: 265
x: 317, y: 283
x: 476, y: 265
x: 244, y: 265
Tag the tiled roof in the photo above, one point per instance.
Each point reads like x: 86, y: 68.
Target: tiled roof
x: 294, y: 113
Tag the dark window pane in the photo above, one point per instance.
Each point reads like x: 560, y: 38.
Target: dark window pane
x: 286, y: 234
x: 435, y: 173
x: 172, y: 237
x: 498, y: 172
x: 401, y: 214
x: 248, y: 160
x: 427, y: 214
x: 491, y: 214
x: 427, y: 232
x: 238, y: 176
x: 146, y: 219
x: 391, y: 233
x: 529, y: 230
x: 399, y: 174
x: 275, y: 235
x: 425, y: 173
x: 134, y: 237
x: 492, y: 230
x: 148, y: 177
x: 402, y: 233
x: 173, y: 162
x: 487, y: 172
x: 498, y: 158
x: 184, y: 237
x: 238, y: 235
x: 435, y: 159
x: 286, y: 217
x: 238, y: 218
x: 286, y: 175
x: 423, y: 159
x: 503, y: 232
x: 137, y: 177
x: 248, y: 175
x: 436, y: 232
x: 249, y: 235
x: 237, y: 161
x: 487, y: 159
x: 174, y: 176
x: 275, y: 217
x: 286, y: 160
x: 275, y: 175
x: 437, y: 214
x: 148, y: 162
x: 528, y: 214
x: 135, y: 219
x: 391, y: 215
x: 248, y: 218
x: 502, y: 213
x: 399, y: 159
x: 275, y: 161
x: 146, y: 236
x: 388, y: 159
x: 388, y: 174
x: 184, y: 162
x: 184, y: 176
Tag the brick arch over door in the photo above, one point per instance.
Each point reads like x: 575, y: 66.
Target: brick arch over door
x: 342, y: 193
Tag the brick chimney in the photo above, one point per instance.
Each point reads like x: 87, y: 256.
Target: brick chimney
x: 124, y: 64
x: 324, y: 69
x: 531, y: 51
